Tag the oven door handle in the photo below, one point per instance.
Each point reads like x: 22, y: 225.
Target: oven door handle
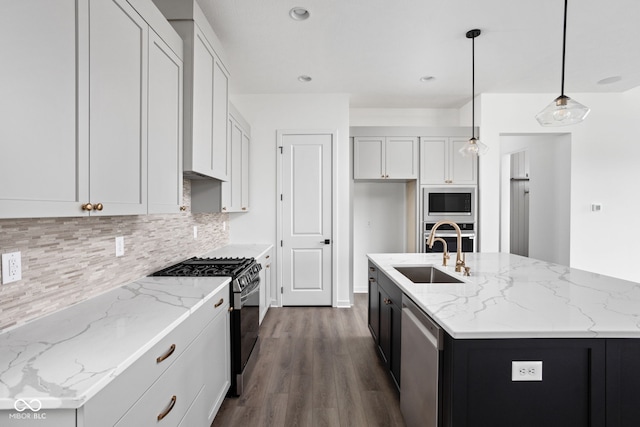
x: 452, y: 234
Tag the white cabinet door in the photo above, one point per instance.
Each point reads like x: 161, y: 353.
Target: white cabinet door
x: 401, y: 158
x: 368, y: 158
x: 206, y: 115
x: 463, y: 169
x: 244, y: 164
x: 118, y: 66
x: 265, y: 282
x: 43, y: 139
x: 165, y: 128
x: 235, y: 192
x: 434, y: 155
x: 441, y: 163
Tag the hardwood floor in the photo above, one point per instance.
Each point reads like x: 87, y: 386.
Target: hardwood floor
x: 317, y: 366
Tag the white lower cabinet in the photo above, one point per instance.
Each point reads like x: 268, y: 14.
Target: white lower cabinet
x: 265, y: 281
x: 185, y: 376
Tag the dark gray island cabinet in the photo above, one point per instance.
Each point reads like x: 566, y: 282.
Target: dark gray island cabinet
x: 588, y: 378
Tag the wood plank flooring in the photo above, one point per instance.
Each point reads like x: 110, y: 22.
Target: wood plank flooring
x: 317, y: 366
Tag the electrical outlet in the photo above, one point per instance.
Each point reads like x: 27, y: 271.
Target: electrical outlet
x: 120, y: 246
x: 195, y: 232
x: 526, y: 371
x: 11, y: 267
x: 224, y: 225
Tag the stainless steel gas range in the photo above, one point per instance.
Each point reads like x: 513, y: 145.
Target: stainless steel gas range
x: 244, y: 294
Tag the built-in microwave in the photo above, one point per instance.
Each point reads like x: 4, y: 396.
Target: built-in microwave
x: 457, y: 204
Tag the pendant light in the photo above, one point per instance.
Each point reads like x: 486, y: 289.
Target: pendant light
x: 563, y: 110
x: 474, y: 147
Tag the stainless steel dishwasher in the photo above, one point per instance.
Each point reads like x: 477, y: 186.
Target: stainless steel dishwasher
x: 422, y: 341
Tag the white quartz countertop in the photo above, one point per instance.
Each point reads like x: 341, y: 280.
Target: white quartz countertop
x: 509, y: 296
x: 240, y: 251
x: 65, y: 358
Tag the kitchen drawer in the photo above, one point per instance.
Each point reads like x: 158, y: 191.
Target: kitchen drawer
x: 171, y: 395
x: 392, y: 290
x: 116, y: 398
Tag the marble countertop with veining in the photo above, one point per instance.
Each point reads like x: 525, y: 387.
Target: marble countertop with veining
x: 509, y: 296
x: 65, y: 358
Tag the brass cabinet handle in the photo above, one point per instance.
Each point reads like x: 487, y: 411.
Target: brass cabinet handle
x: 230, y: 309
x: 244, y: 209
x: 183, y: 208
x: 224, y: 209
x: 167, y: 354
x: 387, y: 301
x: 98, y: 206
x: 164, y: 413
x: 219, y: 303
x: 267, y: 257
x: 87, y: 207
x: 381, y: 176
x: 372, y: 269
x: 386, y: 176
x: 371, y: 279
x: 268, y: 266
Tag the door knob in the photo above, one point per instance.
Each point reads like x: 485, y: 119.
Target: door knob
x: 326, y: 241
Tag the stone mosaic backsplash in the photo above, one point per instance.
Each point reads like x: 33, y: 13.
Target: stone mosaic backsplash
x: 67, y: 260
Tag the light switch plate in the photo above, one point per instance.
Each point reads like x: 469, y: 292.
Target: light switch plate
x: 120, y: 246
x: 11, y: 267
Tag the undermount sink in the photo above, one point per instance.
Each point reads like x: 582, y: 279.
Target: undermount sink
x: 426, y: 274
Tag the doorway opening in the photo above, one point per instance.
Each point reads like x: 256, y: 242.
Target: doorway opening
x: 536, y: 205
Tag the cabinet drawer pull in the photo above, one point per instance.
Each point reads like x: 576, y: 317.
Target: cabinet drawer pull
x: 267, y: 257
x: 167, y: 354
x: 372, y: 269
x: 219, y: 303
x: 371, y: 280
x: 164, y: 413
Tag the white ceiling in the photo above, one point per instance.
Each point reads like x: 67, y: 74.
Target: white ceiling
x: 377, y: 50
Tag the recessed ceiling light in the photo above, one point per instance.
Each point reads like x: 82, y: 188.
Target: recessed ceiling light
x: 426, y: 78
x: 299, y: 13
x: 609, y: 80
x: 304, y: 78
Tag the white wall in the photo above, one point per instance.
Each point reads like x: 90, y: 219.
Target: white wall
x: 267, y: 114
x: 549, y: 197
x: 379, y: 226
x: 604, y: 169
x: 403, y: 117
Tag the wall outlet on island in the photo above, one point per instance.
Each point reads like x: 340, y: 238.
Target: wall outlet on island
x: 11, y: 267
x: 526, y: 371
x: 195, y: 232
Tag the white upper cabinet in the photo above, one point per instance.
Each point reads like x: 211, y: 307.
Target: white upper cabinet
x: 43, y: 137
x: 165, y: 128
x: 74, y: 139
x: 206, y: 92
x: 440, y: 162
x: 118, y: 73
x: 235, y: 192
x: 385, y: 158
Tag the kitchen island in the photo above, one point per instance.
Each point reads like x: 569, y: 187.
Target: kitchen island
x: 582, y: 326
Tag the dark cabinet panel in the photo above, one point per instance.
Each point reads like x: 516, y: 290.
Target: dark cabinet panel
x: 482, y: 393
x: 623, y: 382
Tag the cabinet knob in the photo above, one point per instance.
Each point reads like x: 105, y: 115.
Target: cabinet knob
x: 387, y: 301
x: 98, y: 206
x: 382, y: 176
x: 224, y: 209
x: 87, y: 207
x: 183, y: 208
x: 372, y: 269
x: 244, y: 209
x: 386, y: 176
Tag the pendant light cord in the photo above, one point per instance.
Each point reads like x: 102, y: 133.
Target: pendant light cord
x: 564, y: 44
x: 473, y: 87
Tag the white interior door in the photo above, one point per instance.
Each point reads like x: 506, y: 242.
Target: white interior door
x: 306, y: 228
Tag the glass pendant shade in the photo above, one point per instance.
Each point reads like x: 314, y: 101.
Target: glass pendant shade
x: 473, y: 148
x: 561, y: 112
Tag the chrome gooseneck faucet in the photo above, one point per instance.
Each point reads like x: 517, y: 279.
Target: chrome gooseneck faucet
x: 460, y: 265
